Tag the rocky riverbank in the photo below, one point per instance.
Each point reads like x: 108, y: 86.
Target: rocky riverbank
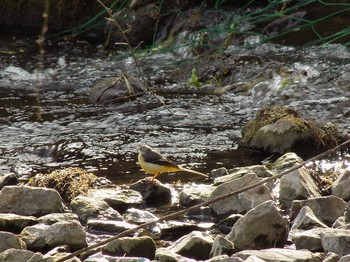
x: 291, y: 219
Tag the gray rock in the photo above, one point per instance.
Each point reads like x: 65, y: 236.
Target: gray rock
x: 58, y: 217
x: 9, y: 240
x: 165, y: 255
x: 88, y: 207
x: 108, y: 226
x: 225, y: 258
x: 227, y: 223
x: 42, y: 237
x: 30, y: 201
x: 281, y: 255
x: 306, y: 219
x: 341, y: 222
x: 19, y: 255
x: 332, y: 257
x: 153, y: 192
x: 261, y: 227
x: 242, y: 202
x: 196, y: 245
x: 327, y: 209
x: 8, y: 180
x: 342, y: 259
x: 238, y: 174
x: 221, y: 246
x: 15, y: 223
x: 341, y: 186
x: 260, y: 170
x: 104, y: 258
x: 195, y: 195
x: 138, y: 216
x: 307, y: 239
x: 336, y: 241
x: 286, y: 161
x: 131, y: 247
x: 173, y: 229
x: 297, y: 185
x: 222, y: 171
x: 120, y: 200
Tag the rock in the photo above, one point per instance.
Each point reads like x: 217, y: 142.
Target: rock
x: 172, y: 230
x: 278, y: 129
x: 281, y: 255
x: 131, y: 247
x: 30, y: 201
x: 260, y: 170
x: 242, y: 202
x: 115, y: 89
x: 195, y: 195
x: 13, y: 254
x: 332, y: 257
x: 342, y: 259
x: 221, y: 246
x: 58, y: 217
x: 108, y: 226
x: 153, y: 192
x: 88, y: 207
x: 165, y: 255
x: 241, y: 172
x: 262, y: 227
x: 341, y: 222
x: 226, y: 224
x: 120, y: 200
x: 307, y: 239
x: 306, y: 219
x: 104, y: 258
x: 341, y: 186
x: 9, y: 240
x: 297, y: 185
x: 222, y: 171
x: 43, y: 237
x: 327, y: 209
x: 336, y: 241
x: 196, y: 245
x: 138, y: 216
x: 286, y: 162
x: 226, y: 258
x: 15, y: 223
x: 8, y: 180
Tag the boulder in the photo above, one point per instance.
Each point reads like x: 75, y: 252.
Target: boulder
x: 262, y: 227
x: 153, y: 192
x: 336, y: 241
x: 8, y: 180
x: 30, y: 201
x: 88, y: 207
x: 195, y: 195
x: 9, y: 240
x: 58, y: 217
x: 104, y: 258
x: 108, y: 226
x: 138, y: 216
x: 14, y: 254
x: 166, y: 255
x: 306, y: 219
x: 307, y: 239
x: 242, y: 202
x: 221, y: 246
x: 131, y: 247
x: 328, y: 209
x: 15, y: 223
x: 43, y: 237
x: 341, y: 186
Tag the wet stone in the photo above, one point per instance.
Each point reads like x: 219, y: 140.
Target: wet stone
x: 15, y: 223
x: 108, y: 226
x: 138, y: 216
x: 153, y: 192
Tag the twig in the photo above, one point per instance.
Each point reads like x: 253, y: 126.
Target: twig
x: 109, y: 11
x: 182, y: 212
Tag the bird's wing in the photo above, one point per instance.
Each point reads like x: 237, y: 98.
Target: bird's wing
x: 156, y: 158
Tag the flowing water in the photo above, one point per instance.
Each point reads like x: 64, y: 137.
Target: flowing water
x: 47, y: 121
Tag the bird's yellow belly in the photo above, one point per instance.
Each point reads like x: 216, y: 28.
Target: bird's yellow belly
x: 154, y: 168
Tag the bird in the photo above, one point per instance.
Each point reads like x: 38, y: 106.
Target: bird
x: 154, y: 163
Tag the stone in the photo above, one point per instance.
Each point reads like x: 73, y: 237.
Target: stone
x: 336, y: 241
x: 120, y: 200
x: 30, y: 201
x: 238, y: 174
x: 104, y: 258
x: 286, y: 161
x: 328, y: 209
x: 221, y: 246
x: 166, y: 255
x: 242, y: 202
x: 43, y: 237
x: 196, y: 245
x: 260, y: 170
x: 14, y: 254
x: 131, y: 247
x: 58, y: 217
x: 281, y: 255
x: 227, y: 223
x: 332, y: 257
x: 153, y: 192
x: 195, y: 195
x: 262, y: 227
x: 88, y: 207
x: 341, y: 222
x: 341, y: 186
x: 342, y: 259
x: 8, y: 180
x: 226, y: 258
x: 108, y: 226
x: 222, y: 171
x: 15, y: 223
x: 306, y: 219
x: 172, y: 229
x: 138, y: 216
x: 307, y: 239
x: 9, y: 240
x: 297, y: 185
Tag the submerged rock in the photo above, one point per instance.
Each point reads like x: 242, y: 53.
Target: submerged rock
x: 262, y: 227
x: 30, y: 201
x: 280, y: 130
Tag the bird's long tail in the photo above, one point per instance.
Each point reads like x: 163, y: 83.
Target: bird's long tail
x: 192, y: 171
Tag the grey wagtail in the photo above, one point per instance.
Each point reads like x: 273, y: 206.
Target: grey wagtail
x: 153, y: 162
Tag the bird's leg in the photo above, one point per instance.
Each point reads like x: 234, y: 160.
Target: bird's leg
x: 154, y: 177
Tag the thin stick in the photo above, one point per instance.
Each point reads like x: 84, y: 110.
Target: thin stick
x: 182, y: 212
x: 109, y: 11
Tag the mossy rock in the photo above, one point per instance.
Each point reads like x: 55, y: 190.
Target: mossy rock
x: 280, y: 130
